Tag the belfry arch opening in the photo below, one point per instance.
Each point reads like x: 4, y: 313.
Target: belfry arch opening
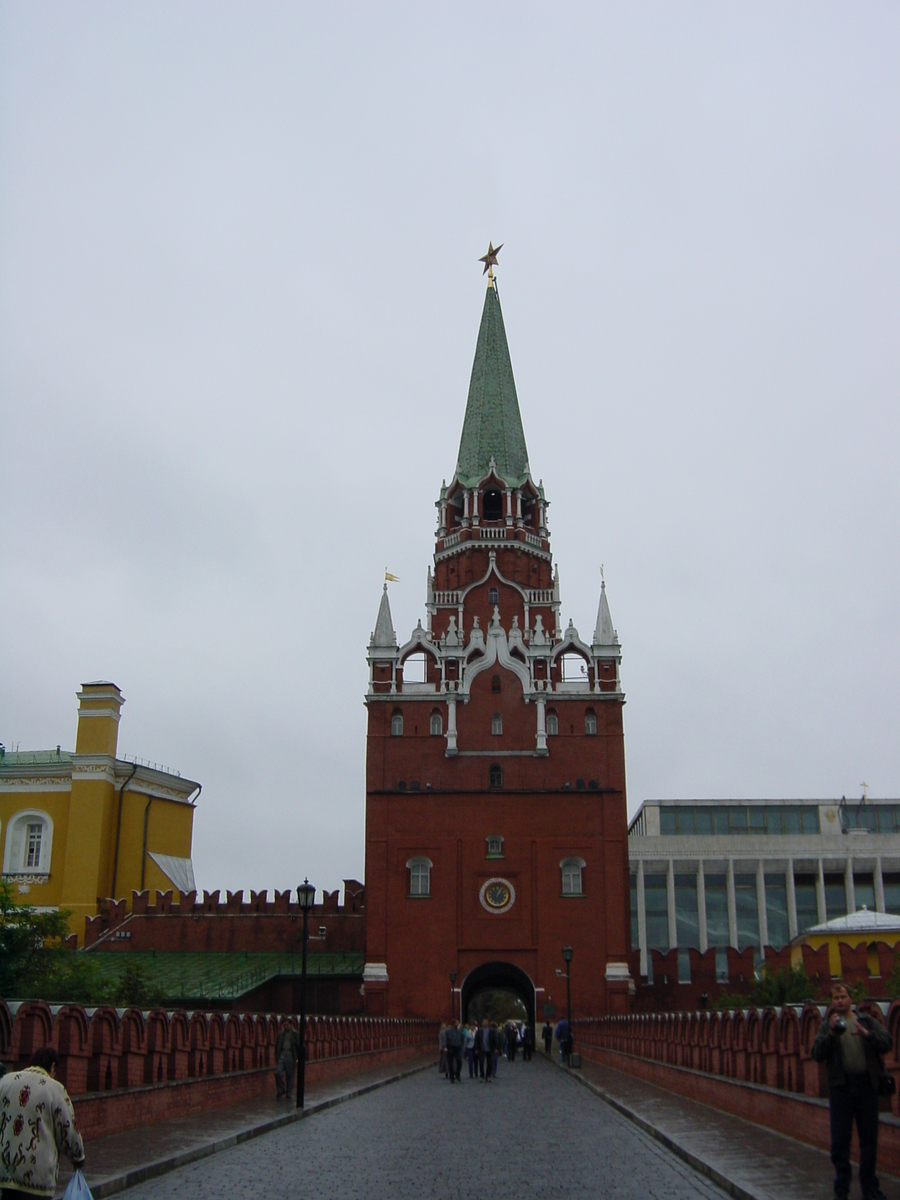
x: 497, y: 977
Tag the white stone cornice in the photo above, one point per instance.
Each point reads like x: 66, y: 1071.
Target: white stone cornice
x: 94, y: 767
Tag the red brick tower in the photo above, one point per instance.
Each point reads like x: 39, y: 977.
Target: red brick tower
x: 495, y: 772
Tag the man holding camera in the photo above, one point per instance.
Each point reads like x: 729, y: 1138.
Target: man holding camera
x: 851, y: 1046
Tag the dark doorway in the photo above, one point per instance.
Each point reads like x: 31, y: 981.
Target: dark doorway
x: 497, y: 977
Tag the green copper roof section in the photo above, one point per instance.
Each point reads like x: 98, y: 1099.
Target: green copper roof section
x: 493, y: 424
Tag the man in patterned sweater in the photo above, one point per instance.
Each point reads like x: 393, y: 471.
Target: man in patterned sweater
x: 37, y: 1123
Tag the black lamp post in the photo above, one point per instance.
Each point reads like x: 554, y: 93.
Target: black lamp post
x: 452, y: 1001
x: 567, y: 957
x: 306, y: 898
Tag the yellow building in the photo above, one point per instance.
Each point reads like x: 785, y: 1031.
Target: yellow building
x: 861, y: 928
x: 79, y: 828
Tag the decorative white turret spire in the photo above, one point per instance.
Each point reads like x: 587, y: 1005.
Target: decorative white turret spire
x: 604, y: 634
x: 384, y: 636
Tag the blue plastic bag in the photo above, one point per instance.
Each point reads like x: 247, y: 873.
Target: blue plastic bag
x: 78, y: 1188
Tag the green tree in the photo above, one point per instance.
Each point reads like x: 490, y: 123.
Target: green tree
x: 25, y: 938
x: 786, y: 986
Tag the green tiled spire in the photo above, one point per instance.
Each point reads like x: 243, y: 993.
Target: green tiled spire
x: 493, y: 425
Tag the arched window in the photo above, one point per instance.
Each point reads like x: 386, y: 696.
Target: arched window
x: 590, y: 721
x: 495, y: 683
x: 571, y: 869
x: 573, y: 668
x: 396, y: 723
x: 419, y: 875
x: 493, y: 505
x: 437, y: 725
x: 552, y: 724
x: 493, y: 595
x: 496, y: 724
x: 496, y: 775
x: 29, y: 844
x: 414, y: 669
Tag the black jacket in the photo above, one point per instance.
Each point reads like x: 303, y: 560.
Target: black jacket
x: 825, y: 1049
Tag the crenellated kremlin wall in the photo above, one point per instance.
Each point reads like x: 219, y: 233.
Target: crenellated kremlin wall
x: 125, y: 1067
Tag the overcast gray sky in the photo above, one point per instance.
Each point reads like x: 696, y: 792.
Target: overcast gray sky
x: 239, y: 297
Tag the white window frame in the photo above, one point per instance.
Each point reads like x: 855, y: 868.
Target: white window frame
x: 419, y: 868
x: 436, y: 725
x: 571, y: 882
x: 552, y: 724
x: 494, y: 845
x: 15, y: 850
x: 497, y: 725
x: 590, y: 718
x: 397, y: 716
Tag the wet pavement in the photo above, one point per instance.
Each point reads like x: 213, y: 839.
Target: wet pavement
x: 747, y: 1160
x: 532, y: 1132
x: 539, y: 1130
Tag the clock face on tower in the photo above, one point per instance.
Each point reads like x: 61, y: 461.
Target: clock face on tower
x: 497, y: 895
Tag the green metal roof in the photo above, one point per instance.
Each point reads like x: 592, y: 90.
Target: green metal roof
x: 34, y: 758
x: 493, y: 424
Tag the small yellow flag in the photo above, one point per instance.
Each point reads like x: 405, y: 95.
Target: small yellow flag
x: 389, y: 578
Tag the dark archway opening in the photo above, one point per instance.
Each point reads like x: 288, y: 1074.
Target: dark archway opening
x: 492, y: 505
x: 498, y: 978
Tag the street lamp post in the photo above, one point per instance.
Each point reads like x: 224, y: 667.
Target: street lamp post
x: 567, y: 957
x: 452, y: 1001
x: 306, y: 897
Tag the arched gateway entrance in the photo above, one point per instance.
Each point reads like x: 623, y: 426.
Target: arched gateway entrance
x: 495, y: 976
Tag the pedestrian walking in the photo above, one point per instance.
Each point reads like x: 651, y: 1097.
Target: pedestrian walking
x: 37, y: 1124
x: 488, y: 1044
x: 564, y: 1037
x: 851, y: 1044
x: 287, y: 1055
x: 442, y: 1043
x: 547, y: 1035
x: 495, y: 1052
x: 470, y: 1049
x: 527, y: 1043
x: 453, y: 1041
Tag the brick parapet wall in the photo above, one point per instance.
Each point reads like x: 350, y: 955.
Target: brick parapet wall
x: 128, y: 1058
x: 666, y: 994
x: 174, y: 921
x: 755, y: 1064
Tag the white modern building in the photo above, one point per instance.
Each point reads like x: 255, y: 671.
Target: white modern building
x: 718, y: 873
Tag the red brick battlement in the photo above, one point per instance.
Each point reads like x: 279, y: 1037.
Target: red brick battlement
x: 188, y: 921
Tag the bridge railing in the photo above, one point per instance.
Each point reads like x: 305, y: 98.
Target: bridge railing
x: 757, y: 1046
x: 105, y: 1049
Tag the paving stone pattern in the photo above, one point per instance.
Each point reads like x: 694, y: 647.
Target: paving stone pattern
x: 424, y: 1137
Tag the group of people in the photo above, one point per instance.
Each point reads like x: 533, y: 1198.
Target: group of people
x: 482, y: 1046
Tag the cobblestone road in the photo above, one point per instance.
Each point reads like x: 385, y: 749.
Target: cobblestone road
x: 531, y: 1133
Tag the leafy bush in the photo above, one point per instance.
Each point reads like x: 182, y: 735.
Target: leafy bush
x: 786, y: 986
x: 34, y: 966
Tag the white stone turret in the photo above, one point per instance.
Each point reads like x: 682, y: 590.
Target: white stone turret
x: 604, y: 634
x: 383, y: 637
